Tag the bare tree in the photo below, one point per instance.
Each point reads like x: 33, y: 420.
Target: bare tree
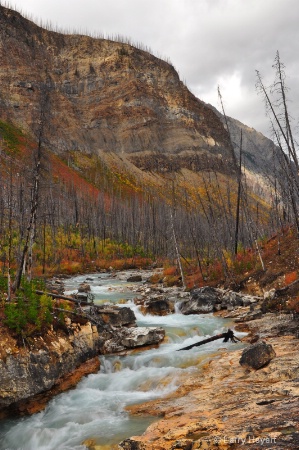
x: 35, y: 192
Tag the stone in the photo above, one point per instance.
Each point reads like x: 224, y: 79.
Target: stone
x: 232, y: 299
x: 157, y: 306
x: 129, y: 338
x: 134, y: 279
x: 116, y: 316
x: 30, y: 373
x: 130, y: 444
x: 203, y: 300
x: 84, y: 287
x: 269, y: 295
x: 257, y: 355
x: 139, y: 336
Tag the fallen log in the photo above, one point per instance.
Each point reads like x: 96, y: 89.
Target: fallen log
x: 82, y: 315
x: 228, y: 336
x: 63, y: 297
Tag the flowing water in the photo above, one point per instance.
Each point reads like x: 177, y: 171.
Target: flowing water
x: 96, y: 408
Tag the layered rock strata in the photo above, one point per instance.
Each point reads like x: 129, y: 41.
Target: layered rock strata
x: 50, y: 364
x: 105, y: 96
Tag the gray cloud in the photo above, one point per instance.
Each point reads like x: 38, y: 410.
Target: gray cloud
x: 210, y: 42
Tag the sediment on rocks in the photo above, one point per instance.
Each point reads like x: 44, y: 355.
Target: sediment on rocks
x: 224, y: 404
x: 26, y: 372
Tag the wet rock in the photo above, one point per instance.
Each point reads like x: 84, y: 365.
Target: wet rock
x: 139, y: 336
x: 257, y: 355
x: 160, y: 307
x: 129, y: 338
x: 157, y: 306
x: 84, y: 287
x: 203, y: 300
x: 115, y: 316
x: 207, y: 420
x: 134, y: 278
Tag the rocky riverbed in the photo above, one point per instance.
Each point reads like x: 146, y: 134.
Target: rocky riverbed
x: 219, y: 404
x: 226, y: 405
x: 30, y: 374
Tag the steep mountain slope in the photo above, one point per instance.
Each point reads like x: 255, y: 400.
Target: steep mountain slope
x: 104, y: 95
x: 160, y: 159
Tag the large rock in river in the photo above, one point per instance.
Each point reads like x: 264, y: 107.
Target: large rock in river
x: 114, y: 315
x: 157, y: 305
x: 134, y: 278
x: 133, y: 337
x: 202, y: 300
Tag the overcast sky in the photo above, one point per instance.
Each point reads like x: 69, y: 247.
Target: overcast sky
x: 210, y: 42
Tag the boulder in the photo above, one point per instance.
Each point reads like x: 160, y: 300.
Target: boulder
x: 249, y: 300
x: 232, y: 299
x: 257, y: 355
x: 202, y: 300
x: 84, y: 287
x: 157, y: 306
x: 129, y: 338
x: 115, y: 316
x: 139, y: 336
x: 134, y: 278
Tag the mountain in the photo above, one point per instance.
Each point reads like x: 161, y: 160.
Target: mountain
x: 105, y: 96
x: 125, y: 123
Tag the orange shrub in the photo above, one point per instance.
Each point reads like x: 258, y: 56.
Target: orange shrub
x: 70, y: 267
x: 170, y: 271
x: 290, y: 277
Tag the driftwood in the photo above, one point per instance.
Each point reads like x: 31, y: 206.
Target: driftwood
x: 63, y: 297
x: 228, y: 336
x: 83, y: 315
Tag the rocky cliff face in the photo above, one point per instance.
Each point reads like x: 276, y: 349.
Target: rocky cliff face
x: 103, y: 96
x: 31, y: 375
x: 27, y: 372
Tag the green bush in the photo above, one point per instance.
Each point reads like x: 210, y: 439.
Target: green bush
x: 30, y: 312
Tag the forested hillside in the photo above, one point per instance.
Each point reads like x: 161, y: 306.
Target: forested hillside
x: 108, y: 160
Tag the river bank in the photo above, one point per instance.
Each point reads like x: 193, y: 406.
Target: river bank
x: 225, y: 406
x: 196, y: 399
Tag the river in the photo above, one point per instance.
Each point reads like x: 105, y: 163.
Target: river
x: 95, y: 409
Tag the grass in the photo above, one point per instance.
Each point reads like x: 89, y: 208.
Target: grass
x: 11, y: 135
